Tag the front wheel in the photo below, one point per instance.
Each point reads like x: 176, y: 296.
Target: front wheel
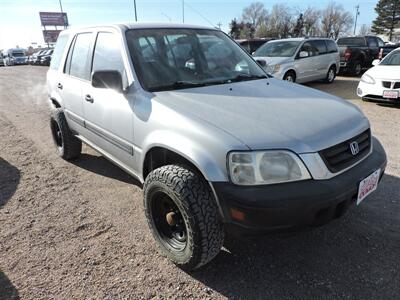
x: 183, y: 216
x: 290, y: 76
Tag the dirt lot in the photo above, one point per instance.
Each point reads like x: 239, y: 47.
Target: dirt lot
x: 77, y: 231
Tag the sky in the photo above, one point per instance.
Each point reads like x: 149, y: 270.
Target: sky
x: 20, y: 23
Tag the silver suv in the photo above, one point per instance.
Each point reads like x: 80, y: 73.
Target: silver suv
x: 300, y: 59
x: 218, y: 144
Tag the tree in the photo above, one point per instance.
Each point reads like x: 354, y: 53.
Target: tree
x: 234, y: 29
x: 254, y: 14
x: 298, y: 29
x: 335, y: 20
x: 311, y: 22
x: 279, y: 22
x: 364, y: 30
x: 388, y: 17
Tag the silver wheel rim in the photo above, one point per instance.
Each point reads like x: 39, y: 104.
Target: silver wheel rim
x: 331, y: 75
x: 289, y: 78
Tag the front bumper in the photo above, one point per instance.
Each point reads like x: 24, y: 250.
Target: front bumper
x: 374, y: 92
x: 256, y: 209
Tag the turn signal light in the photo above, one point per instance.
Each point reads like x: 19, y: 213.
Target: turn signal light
x: 237, y: 214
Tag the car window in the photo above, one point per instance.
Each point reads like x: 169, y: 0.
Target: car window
x: 320, y: 46
x: 309, y: 48
x: 107, y: 53
x: 380, y: 42
x: 372, y: 42
x: 332, y: 47
x: 278, y: 49
x: 352, y: 41
x: 79, y: 57
x: 392, y: 59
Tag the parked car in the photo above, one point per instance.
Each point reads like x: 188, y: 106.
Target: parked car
x: 1, y: 59
x: 217, y: 143
x: 15, y: 56
x: 251, y: 45
x: 33, y: 59
x: 300, y: 59
x: 45, y: 59
x: 382, y: 82
x: 358, y: 52
x: 385, y: 50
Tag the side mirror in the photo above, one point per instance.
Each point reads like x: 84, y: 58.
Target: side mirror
x: 375, y: 62
x: 261, y: 62
x: 303, y: 54
x: 107, y: 79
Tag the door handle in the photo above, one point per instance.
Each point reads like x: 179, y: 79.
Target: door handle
x: 89, y: 98
x: 60, y: 86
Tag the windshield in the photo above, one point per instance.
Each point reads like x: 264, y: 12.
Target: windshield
x: 168, y: 59
x: 17, y: 54
x: 352, y: 41
x: 278, y: 49
x: 392, y: 59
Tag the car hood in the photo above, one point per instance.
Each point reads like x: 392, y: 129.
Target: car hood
x: 271, y: 61
x: 270, y: 114
x: 385, y: 72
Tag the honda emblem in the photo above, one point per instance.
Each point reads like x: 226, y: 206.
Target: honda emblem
x: 354, y: 148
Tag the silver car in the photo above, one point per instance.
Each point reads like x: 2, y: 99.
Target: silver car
x: 300, y: 59
x: 218, y: 144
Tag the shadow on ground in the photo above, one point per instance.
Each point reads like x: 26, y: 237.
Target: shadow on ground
x: 9, y: 180
x: 354, y: 257
x: 7, y: 289
x: 101, y: 166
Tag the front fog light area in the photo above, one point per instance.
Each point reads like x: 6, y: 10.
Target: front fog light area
x: 266, y: 167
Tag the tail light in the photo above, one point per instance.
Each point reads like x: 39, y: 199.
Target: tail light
x: 347, y: 54
x: 380, y: 54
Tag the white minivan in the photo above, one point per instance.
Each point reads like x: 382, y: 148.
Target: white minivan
x: 300, y: 59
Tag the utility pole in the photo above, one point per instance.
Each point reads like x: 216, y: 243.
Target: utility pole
x: 183, y: 11
x: 357, y: 14
x: 134, y: 5
x: 219, y: 25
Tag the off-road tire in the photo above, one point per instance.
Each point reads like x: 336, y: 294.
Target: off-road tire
x: 71, y: 147
x: 194, y: 198
x: 289, y: 74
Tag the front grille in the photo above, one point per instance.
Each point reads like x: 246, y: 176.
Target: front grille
x: 388, y: 85
x: 339, y: 157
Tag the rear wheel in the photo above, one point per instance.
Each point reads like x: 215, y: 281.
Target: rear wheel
x: 182, y: 214
x: 331, y: 75
x: 357, y: 68
x: 290, y: 76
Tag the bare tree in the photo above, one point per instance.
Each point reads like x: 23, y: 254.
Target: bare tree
x: 280, y: 21
x: 364, y: 30
x: 255, y: 14
x: 311, y: 20
x: 335, y: 20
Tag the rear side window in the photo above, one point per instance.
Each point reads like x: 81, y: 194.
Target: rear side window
x: 107, y: 54
x: 352, y: 41
x: 331, y: 46
x: 78, y: 65
x: 320, y: 46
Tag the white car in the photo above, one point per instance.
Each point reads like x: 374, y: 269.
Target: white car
x: 382, y: 82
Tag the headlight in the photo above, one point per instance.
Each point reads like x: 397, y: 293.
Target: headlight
x: 276, y: 68
x: 367, y: 79
x: 266, y: 167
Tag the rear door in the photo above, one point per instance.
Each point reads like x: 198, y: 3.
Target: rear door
x: 76, y: 75
x: 109, y: 114
x: 322, y: 60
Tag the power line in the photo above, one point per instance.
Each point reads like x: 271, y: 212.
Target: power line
x: 197, y: 12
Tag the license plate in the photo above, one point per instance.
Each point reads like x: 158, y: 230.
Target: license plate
x: 391, y: 94
x: 368, y: 185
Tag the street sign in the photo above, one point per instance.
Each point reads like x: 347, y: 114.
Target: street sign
x: 53, y: 19
x: 50, y: 36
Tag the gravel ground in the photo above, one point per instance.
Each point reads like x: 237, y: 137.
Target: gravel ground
x: 77, y: 230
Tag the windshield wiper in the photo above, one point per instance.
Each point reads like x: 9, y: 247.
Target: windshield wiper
x: 245, y: 77
x: 177, y: 85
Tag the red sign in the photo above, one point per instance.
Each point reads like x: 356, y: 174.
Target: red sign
x: 51, y: 36
x: 53, y: 19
